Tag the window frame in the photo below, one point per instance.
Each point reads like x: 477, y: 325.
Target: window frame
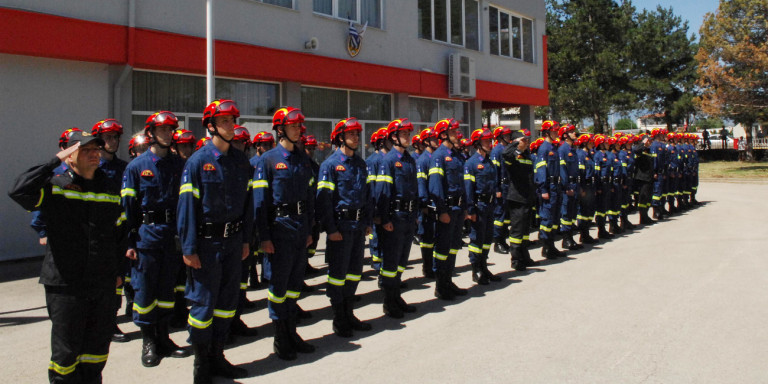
x: 293, y: 4
x: 358, y: 16
x: 448, y: 22
x: 501, y: 12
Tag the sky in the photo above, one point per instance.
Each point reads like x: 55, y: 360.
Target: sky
x: 691, y: 10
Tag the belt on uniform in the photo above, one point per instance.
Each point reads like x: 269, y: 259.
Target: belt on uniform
x: 606, y: 179
x: 554, y: 179
x: 349, y: 214
x: 167, y: 216
x: 398, y: 205
x: 454, y: 201
x: 589, y: 180
x: 283, y: 210
x: 225, y: 230
x: 573, y: 179
x: 485, y: 197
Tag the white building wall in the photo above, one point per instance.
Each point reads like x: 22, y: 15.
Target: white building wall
x: 40, y: 98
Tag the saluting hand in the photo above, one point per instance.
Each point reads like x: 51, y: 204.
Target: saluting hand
x: 192, y: 261
x: 64, y: 153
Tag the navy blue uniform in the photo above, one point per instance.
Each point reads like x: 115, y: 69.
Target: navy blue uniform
x: 427, y: 214
x: 569, y: 181
x: 547, y: 180
x: 587, y: 184
x: 372, y: 164
x: 603, y: 169
x: 480, y: 187
x: 150, y: 194
x: 344, y: 204
x: 657, y: 152
x: 397, y: 201
x: 446, y: 189
x: 614, y: 198
x: 501, y: 221
x: 284, y: 209
x: 214, y: 221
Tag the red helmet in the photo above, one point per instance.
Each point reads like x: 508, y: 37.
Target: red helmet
x: 223, y: 107
x: 201, y: 143
x: 309, y: 141
x: 618, y: 134
x: 160, y: 118
x: 416, y: 139
x: 610, y: 140
x: 380, y: 134
x: 135, y: 142
x: 349, y: 124
x: 549, y: 125
x: 565, y: 129
x: 678, y: 136
x: 427, y: 133
x: 556, y: 142
x: 64, y: 138
x: 263, y: 137
x: 183, y: 136
x: 242, y: 134
x: 287, y: 115
x: 582, y: 139
x: 446, y: 125
x: 480, y: 134
x: 501, y: 130
x: 107, y: 125
x: 536, y: 144
x: 670, y: 136
x: 399, y: 125
x: 598, y: 139
x: 623, y: 140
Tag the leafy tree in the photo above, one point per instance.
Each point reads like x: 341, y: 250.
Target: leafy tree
x: 733, y: 63
x: 625, y: 124
x: 708, y: 123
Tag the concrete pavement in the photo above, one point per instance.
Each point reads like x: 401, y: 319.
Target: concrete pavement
x: 680, y: 301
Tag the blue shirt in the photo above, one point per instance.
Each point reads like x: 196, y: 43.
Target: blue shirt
x: 396, y: 180
x: 113, y: 168
x: 422, y: 170
x: 547, y: 168
x: 480, y: 177
x: 343, y: 185
x: 446, y: 178
x: 569, y: 166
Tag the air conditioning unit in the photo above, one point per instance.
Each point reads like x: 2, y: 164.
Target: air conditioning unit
x: 461, y: 76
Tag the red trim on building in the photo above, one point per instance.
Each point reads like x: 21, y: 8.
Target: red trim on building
x: 59, y: 37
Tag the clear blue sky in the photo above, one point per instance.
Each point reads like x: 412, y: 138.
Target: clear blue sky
x: 691, y: 10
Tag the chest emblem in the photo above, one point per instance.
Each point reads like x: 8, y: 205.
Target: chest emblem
x: 281, y: 166
x: 448, y: 158
x: 147, y: 173
x: 208, y: 167
x: 570, y: 154
x: 398, y: 164
x: 340, y: 168
x: 551, y: 153
x: 480, y: 166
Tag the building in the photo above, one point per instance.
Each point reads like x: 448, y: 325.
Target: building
x: 72, y: 63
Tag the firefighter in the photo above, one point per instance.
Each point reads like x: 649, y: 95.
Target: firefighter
x: 480, y: 187
x: 137, y: 145
x: 427, y: 214
x: 215, y: 225
x: 310, y: 145
x: 83, y: 260
x: 183, y: 143
x: 382, y: 145
x: 569, y: 184
x: 520, y: 197
x: 150, y: 193
x: 396, y: 199
x: 242, y: 139
x: 501, y: 223
x: 627, y: 160
x: 183, y: 146
x: 603, y: 169
x: 617, y: 183
x: 643, y: 176
x: 446, y: 190
x: 344, y: 202
x: 547, y: 179
x: 283, y: 195
x: 587, y: 186
x: 418, y: 146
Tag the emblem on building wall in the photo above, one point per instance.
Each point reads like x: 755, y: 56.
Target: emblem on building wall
x: 355, y: 39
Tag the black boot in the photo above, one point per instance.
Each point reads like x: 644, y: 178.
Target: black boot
x: 402, y: 304
x: 223, y: 368
x: 569, y: 243
x: 299, y: 345
x: 552, y: 251
x: 584, y: 236
x: 456, y: 290
x: 625, y: 224
x: 501, y: 247
x: 390, y: 306
x: 238, y: 328
x: 477, y: 273
x: 426, y: 263
x: 613, y: 227
x: 529, y: 262
x: 202, y: 365
x: 282, y: 345
x: 309, y: 270
x: 349, y: 310
x: 253, y: 276
x: 165, y: 346
x: 118, y: 336
x: 644, y: 219
x: 306, y: 288
x: 341, y: 324
x: 485, y: 272
x: 517, y: 257
x: 149, y: 355
x: 443, y: 289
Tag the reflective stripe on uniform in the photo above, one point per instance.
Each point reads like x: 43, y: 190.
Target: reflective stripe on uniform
x: 224, y: 314
x: 474, y: 249
x: 336, y: 282
x: 352, y: 277
x: 426, y: 245
x: 275, y: 299
x: 436, y: 170
x: 86, y: 196
x: 515, y: 240
x: 144, y: 310
x: 440, y: 256
x: 386, y: 273
x: 260, y: 184
x: 384, y: 178
x: 199, y: 324
x: 326, y: 185
x: 188, y: 188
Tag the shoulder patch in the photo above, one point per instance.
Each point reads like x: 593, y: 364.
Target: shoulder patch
x: 73, y: 187
x: 208, y: 167
x: 570, y: 153
x: 551, y: 153
x: 340, y: 168
x: 281, y: 166
x: 448, y: 158
x: 398, y: 164
x: 147, y: 173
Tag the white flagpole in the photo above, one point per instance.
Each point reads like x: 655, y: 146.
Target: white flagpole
x: 210, y: 81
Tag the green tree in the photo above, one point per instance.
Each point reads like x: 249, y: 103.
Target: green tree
x: 708, y: 123
x: 733, y: 63
x: 625, y: 124
x: 588, y: 52
x: 663, y: 64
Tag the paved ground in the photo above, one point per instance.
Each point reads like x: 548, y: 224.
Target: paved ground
x: 681, y: 301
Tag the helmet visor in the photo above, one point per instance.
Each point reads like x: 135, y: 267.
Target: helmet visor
x: 166, y: 118
x: 227, y: 108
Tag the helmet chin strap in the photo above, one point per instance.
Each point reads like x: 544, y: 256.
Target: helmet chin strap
x: 154, y: 141
x: 216, y: 132
x: 281, y: 136
x: 397, y: 142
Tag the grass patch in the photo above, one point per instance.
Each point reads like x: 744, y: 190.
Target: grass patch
x: 733, y: 170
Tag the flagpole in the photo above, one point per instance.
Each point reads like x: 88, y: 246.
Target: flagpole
x: 210, y: 80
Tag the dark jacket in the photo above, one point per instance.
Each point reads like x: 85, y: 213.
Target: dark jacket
x: 519, y: 169
x: 84, y: 221
x: 643, y: 163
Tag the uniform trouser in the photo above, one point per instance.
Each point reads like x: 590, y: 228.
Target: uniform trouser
x: 614, y: 202
x: 602, y: 196
x: 312, y: 248
x: 658, y: 191
x: 448, y: 241
x: 126, y: 288
x: 395, y: 246
x: 81, y: 328
x: 645, y: 189
x: 568, y: 209
x: 286, y: 269
x: 212, y: 290
x: 154, y: 280
x: 519, y: 226
x: 626, y: 198
x: 427, y: 243
x: 345, y: 265
x: 586, y: 208
x: 482, y: 233
x: 373, y: 247
x: 500, y: 220
x: 549, y: 213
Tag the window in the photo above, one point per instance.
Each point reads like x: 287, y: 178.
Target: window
x: 359, y: 11
x: 510, y: 35
x: 282, y: 3
x: 184, y: 95
x: 426, y: 112
x: 324, y: 107
x: 450, y: 21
